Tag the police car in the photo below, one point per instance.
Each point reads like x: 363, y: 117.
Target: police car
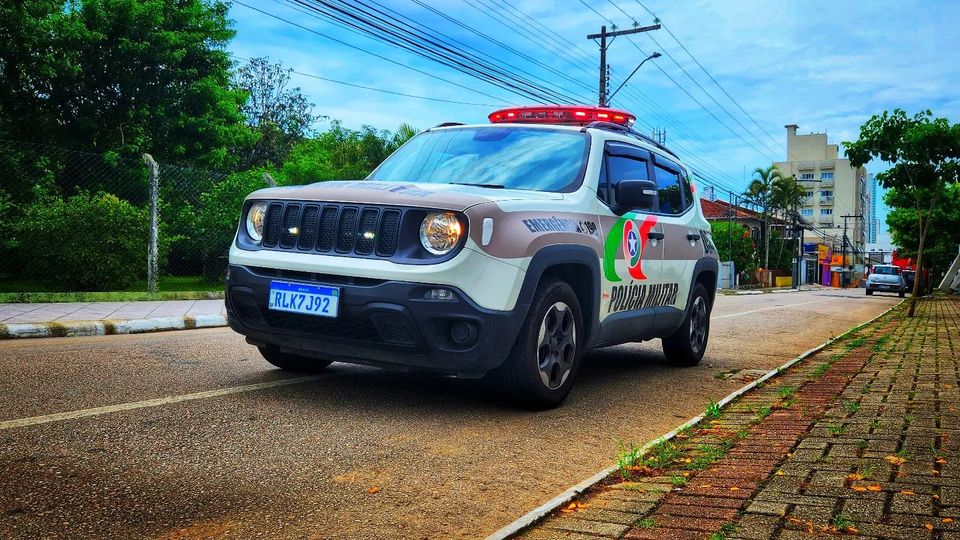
x: 504, y: 249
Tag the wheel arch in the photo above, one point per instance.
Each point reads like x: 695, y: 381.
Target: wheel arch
x: 705, y: 272
x: 579, y: 267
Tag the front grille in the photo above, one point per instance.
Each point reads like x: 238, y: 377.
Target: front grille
x: 332, y: 228
x: 342, y: 328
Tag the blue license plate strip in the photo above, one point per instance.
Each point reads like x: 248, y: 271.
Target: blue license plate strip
x: 303, y: 298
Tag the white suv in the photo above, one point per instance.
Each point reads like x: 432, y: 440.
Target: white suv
x: 505, y: 248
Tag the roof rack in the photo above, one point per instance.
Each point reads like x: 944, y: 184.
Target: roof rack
x: 610, y: 126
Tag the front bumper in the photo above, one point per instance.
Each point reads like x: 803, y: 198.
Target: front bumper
x: 890, y: 287
x: 381, y: 323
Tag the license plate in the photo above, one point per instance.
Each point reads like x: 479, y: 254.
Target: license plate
x: 305, y: 299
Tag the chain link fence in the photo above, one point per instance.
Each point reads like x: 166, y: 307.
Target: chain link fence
x: 80, y: 221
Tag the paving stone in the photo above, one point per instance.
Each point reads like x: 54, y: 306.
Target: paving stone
x: 586, y: 526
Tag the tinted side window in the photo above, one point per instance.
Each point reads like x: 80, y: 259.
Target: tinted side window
x: 617, y: 168
x: 668, y: 189
x: 687, y: 194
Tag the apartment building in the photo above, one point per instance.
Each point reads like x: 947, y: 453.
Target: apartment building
x: 834, y: 189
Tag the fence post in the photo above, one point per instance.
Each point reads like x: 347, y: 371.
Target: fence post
x: 152, y: 247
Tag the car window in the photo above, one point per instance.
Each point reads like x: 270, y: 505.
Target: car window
x: 617, y: 168
x: 886, y: 270
x: 668, y: 189
x: 687, y: 192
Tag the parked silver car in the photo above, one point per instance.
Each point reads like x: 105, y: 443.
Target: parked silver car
x: 886, y: 278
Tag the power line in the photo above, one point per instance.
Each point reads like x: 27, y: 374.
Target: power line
x: 354, y: 47
x: 382, y: 90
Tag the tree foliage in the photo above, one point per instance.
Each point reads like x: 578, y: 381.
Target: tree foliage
x: 124, y: 76
x: 280, y: 115
x: 923, y: 152
x: 734, y: 243
x: 341, y: 154
x: 944, y: 234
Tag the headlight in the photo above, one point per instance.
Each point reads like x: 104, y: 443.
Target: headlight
x: 440, y: 232
x: 255, y: 217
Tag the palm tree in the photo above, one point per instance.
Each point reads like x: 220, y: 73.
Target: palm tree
x: 787, y: 196
x: 761, y: 193
x: 403, y: 134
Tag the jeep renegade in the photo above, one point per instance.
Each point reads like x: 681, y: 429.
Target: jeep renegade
x: 505, y: 249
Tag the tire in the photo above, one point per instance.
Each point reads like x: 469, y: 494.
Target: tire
x: 685, y: 347
x: 292, y: 362
x: 902, y: 294
x: 542, y: 366
x: 869, y: 292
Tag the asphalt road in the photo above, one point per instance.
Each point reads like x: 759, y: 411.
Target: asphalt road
x: 299, y: 460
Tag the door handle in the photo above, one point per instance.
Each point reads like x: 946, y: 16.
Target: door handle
x: 693, y: 237
x: 655, y: 235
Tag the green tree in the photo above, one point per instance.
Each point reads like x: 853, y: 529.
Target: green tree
x: 126, y: 76
x: 761, y: 192
x: 734, y: 243
x: 943, y: 235
x: 924, y: 152
x: 280, y: 116
x: 341, y: 154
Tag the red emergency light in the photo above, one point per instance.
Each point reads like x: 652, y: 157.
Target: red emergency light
x: 561, y: 114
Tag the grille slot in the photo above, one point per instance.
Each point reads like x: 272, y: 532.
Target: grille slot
x: 389, y: 229
x: 271, y: 229
x: 328, y: 228
x: 366, y: 231
x: 346, y: 230
x: 291, y: 222
x: 308, y: 227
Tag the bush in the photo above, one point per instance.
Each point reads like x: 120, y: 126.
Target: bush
x: 85, y: 242
x: 219, y: 216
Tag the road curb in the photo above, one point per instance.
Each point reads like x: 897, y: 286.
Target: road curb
x: 535, y: 515
x: 108, y: 327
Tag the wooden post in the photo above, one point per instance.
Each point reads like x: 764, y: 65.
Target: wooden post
x: 152, y: 246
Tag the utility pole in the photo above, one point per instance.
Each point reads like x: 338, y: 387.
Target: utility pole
x: 602, y: 36
x: 843, y: 276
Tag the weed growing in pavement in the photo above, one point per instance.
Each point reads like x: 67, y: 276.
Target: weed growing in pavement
x: 875, y: 423
x: 842, y: 522
x: 788, y: 402
x: 851, y: 406
x: 820, y: 370
x: 662, y: 454
x: 727, y: 528
x: 742, y: 434
x: 713, y: 410
x: 627, y: 455
x: 708, y: 453
x: 863, y: 444
x: 835, y: 357
x: 836, y: 429
x: 856, y: 343
x: 762, y: 413
x: 678, y: 480
x: 646, y: 523
x: 786, y: 391
x: 867, y: 471
x: 881, y: 341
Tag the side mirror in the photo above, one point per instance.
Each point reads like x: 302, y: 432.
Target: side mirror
x: 635, y: 195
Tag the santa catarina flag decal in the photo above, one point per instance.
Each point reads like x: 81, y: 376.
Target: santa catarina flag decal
x: 631, y: 239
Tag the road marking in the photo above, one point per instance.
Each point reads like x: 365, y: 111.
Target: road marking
x: 763, y: 309
x: 97, y: 411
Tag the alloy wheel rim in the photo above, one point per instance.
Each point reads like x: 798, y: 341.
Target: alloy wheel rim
x: 699, y: 321
x: 557, y: 345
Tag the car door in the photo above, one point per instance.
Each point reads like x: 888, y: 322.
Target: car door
x: 682, y: 243
x: 633, y: 248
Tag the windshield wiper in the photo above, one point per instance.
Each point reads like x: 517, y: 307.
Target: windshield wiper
x: 491, y: 186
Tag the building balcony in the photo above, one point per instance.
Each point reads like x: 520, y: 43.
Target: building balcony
x: 826, y: 199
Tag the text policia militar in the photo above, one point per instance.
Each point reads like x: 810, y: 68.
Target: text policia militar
x: 639, y: 296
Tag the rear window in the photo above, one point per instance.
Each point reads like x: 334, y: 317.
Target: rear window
x: 886, y: 270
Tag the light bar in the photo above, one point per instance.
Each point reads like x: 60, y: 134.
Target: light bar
x: 561, y: 114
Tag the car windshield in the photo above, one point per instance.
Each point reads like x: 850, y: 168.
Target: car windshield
x: 886, y: 270
x: 502, y: 157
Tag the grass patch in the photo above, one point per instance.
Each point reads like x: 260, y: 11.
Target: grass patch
x: 168, y: 288
x: 836, y: 429
x: 820, y: 370
x: 678, y: 480
x: 842, y: 522
x: 856, y: 343
x: 786, y: 391
x: 881, y: 341
x: 713, y: 411
x: 763, y: 412
x: 706, y: 454
x: 662, y: 455
x: 646, y: 523
x: 851, y: 406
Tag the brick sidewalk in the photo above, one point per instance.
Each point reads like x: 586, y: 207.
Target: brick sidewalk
x: 862, y: 439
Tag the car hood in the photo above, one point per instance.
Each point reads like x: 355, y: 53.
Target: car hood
x: 441, y: 196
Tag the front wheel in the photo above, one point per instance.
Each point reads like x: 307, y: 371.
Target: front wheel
x: 543, y: 363
x: 292, y: 362
x: 686, y: 346
x: 869, y: 292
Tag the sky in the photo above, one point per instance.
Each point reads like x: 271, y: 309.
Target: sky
x: 824, y: 65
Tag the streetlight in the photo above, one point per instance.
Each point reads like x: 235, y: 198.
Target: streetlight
x: 654, y: 55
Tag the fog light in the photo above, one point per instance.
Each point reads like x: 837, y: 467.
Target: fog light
x: 439, y: 294
x: 463, y: 333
